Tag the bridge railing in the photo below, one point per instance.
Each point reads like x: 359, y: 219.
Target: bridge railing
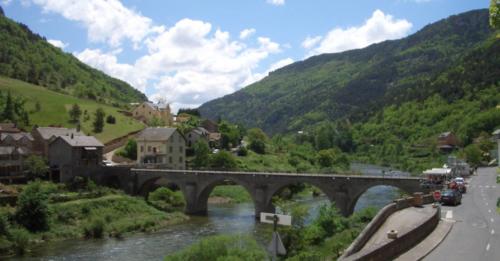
x: 220, y: 172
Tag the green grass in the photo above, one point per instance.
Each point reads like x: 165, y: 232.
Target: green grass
x: 268, y: 162
x: 237, y: 194
x: 55, y: 107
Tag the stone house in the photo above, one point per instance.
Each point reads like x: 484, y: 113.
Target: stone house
x: 210, y: 126
x: 196, y: 134
x: 161, y: 147
x: 43, y: 136
x: 214, y: 139
x: 75, y: 151
x: 447, y: 142
x: 9, y: 128
x: 146, y: 111
x: 12, y: 160
x: 14, y: 149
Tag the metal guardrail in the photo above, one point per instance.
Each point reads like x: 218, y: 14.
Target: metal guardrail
x: 218, y: 172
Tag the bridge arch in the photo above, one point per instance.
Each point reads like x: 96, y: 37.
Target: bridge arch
x: 152, y: 184
x: 361, y: 190
x: 206, y: 190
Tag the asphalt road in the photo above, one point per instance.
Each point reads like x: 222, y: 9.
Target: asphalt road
x: 476, y: 232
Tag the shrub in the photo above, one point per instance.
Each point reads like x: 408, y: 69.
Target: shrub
x: 243, y: 151
x: 223, y: 247
x: 223, y: 160
x: 20, y: 239
x: 32, y: 211
x: 110, y: 119
x: 36, y: 167
x: 4, y: 224
x: 166, y: 199
x: 258, y: 146
x: 95, y: 228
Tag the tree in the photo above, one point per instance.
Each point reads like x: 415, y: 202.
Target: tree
x: 36, y: 167
x: 74, y: 113
x: 473, y: 155
x: 258, y: 146
x: 495, y: 14
x: 98, y: 120
x: 32, y: 208
x: 223, y: 161
x: 110, y: 119
x: 201, y: 154
x: 8, y: 111
x: 257, y: 139
x: 156, y: 122
x: 130, y: 150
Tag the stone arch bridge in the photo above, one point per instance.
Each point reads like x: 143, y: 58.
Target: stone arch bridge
x: 196, y: 186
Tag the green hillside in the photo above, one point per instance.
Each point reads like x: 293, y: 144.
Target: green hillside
x: 358, y: 84
x: 26, y: 56
x: 54, y: 109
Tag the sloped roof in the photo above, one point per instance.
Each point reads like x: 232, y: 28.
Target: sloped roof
x: 158, y: 106
x: 8, y: 127
x: 81, y: 141
x: 200, y: 131
x: 48, y: 132
x: 8, y: 150
x: 16, y: 136
x: 156, y: 133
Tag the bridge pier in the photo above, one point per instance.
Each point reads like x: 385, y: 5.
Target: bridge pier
x: 194, y: 206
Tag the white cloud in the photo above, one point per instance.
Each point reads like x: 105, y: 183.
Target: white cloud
x: 379, y: 27
x: 281, y: 63
x: 6, y: 2
x: 311, y: 41
x: 58, y: 43
x: 247, y: 33
x: 106, y: 21
x: 187, y: 64
x: 276, y: 2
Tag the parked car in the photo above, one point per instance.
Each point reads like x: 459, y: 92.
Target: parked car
x: 451, y: 196
x: 460, y: 184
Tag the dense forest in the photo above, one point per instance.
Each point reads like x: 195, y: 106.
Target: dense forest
x: 386, y: 103
x: 26, y: 56
x: 356, y: 84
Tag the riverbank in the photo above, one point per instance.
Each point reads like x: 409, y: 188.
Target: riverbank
x: 93, y: 212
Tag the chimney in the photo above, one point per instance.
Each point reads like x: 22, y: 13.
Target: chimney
x: 71, y: 135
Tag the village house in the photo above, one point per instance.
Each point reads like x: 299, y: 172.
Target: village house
x: 8, y: 128
x: 14, y: 149
x: 214, y: 139
x: 195, y: 135
x: 165, y: 147
x: 210, y: 126
x: 75, y: 151
x: 147, y: 111
x: 44, y: 135
x: 447, y: 142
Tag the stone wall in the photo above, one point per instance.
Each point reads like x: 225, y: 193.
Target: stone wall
x: 405, y: 241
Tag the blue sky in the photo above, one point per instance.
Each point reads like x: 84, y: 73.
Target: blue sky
x: 191, y: 51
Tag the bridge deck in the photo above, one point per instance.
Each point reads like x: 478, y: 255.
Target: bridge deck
x: 211, y: 172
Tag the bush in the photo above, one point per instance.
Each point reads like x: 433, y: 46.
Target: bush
x: 4, y: 224
x: 33, y: 211
x: 95, y: 228
x: 20, y: 239
x: 110, y: 119
x: 258, y: 146
x: 36, y: 167
x: 130, y: 150
x: 166, y: 199
x: 236, y: 247
x: 201, y: 154
x: 223, y: 160
x: 243, y: 151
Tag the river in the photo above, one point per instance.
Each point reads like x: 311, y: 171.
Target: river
x: 221, y: 219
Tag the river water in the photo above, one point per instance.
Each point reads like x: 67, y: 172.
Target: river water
x: 221, y: 219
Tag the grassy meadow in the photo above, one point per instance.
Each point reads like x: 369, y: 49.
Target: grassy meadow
x: 54, y: 108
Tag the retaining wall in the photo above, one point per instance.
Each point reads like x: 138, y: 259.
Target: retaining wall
x: 405, y: 240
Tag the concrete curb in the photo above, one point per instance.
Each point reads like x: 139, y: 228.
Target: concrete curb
x: 428, y: 244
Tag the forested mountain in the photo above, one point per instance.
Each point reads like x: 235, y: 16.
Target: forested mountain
x: 455, y: 59
x: 26, y: 56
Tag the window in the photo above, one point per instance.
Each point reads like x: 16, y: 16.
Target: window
x: 170, y: 159
x: 180, y: 149
x: 149, y: 148
x: 170, y: 149
x: 154, y: 149
x: 180, y: 159
x: 142, y: 148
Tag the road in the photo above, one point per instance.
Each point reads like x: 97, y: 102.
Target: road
x: 476, y: 232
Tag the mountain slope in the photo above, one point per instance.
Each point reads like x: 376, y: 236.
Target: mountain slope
x: 53, y: 110
x: 26, y: 56
x: 359, y: 83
